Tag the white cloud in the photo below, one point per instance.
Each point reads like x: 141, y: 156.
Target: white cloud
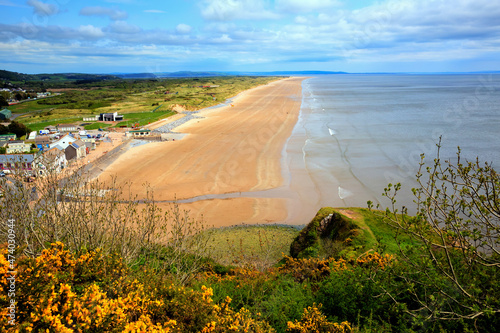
x: 183, y: 28
x: 229, y: 10
x: 155, y: 11
x: 113, y: 14
x: 90, y: 32
x: 9, y: 3
x: 122, y: 27
x: 223, y: 39
x: 301, y: 20
x: 304, y: 6
x: 42, y: 8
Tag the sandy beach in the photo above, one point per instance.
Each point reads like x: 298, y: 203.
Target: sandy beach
x: 226, y: 156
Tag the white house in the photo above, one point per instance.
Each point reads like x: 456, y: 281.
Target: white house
x: 63, y: 142
x: 16, y: 147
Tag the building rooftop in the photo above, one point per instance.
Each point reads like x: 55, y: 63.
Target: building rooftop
x: 24, y: 158
x: 140, y: 130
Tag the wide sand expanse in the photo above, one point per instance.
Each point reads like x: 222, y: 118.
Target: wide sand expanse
x: 228, y: 153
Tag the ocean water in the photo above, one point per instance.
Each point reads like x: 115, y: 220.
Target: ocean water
x: 357, y: 133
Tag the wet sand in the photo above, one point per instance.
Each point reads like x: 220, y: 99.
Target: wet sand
x: 229, y: 161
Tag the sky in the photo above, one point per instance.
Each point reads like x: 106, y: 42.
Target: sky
x: 132, y: 36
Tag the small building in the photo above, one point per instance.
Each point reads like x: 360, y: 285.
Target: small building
x: 18, y: 147
x: 51, y: 129
x: 92, y: 118
x: 7, y: 137
x: 110, y: 117
x: 67, y: 128
x: 140, y: 132
x: 5, y: 114
x: 42, y: 142
x: 17, y: 162
x: 32, y: 136
x: 90, y: 143
x: 77, y: 150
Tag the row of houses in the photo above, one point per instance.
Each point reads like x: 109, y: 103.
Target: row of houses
x: 58, y: 152
x: 34, y: 164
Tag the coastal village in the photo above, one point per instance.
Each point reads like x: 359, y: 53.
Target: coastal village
x: 57, y: 147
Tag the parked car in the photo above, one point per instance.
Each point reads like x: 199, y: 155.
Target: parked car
x: 2, y: 174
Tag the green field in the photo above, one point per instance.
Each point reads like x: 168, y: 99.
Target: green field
x: 144, y: 118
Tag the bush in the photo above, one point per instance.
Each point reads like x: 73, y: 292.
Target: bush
x: 450, y: 277
x: 59, y: 292
x: 327, y: 227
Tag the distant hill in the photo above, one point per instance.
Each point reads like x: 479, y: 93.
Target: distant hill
x: 183, y: 74
x: 186, y: 74
x: 15, y: 77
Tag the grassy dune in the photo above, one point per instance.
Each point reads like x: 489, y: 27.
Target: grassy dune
x: 133, y: 97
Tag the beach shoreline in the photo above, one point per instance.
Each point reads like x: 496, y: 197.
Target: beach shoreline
x: 228, y: 169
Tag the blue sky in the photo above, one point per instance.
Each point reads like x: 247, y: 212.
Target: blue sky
x: 47, y: 36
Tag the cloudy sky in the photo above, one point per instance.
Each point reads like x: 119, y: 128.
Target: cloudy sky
x: 45, y: 36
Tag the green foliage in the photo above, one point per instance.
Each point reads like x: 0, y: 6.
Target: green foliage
x: 18, y: 129
x: 449, y: 277
x: 92, y: 99
x: 278, y: 298
x: 3, y: 102
x: 327, y: 227
x: 353, y: 296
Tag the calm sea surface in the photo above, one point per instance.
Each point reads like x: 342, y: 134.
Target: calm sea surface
x: 357, y: 133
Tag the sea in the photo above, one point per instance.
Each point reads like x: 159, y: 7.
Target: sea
x: 357, y: 133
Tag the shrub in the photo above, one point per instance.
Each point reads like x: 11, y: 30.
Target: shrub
x: 451, y: 276
x: 314, y: 321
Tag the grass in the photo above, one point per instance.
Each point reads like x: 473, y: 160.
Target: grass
x: 30, y: 106
x: 144, y: 118
x: 360, y: 230
x: 255, y: 245
x: 41, y: 125
x: 95, y: 126
x: 374, y: 231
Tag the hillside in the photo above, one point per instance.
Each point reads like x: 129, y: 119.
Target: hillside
x: 20, y: 78
x: 348, y: 284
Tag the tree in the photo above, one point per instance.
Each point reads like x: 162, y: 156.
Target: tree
x: 3, y: 101
x: 453, y: 275
x: 18, y: 129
